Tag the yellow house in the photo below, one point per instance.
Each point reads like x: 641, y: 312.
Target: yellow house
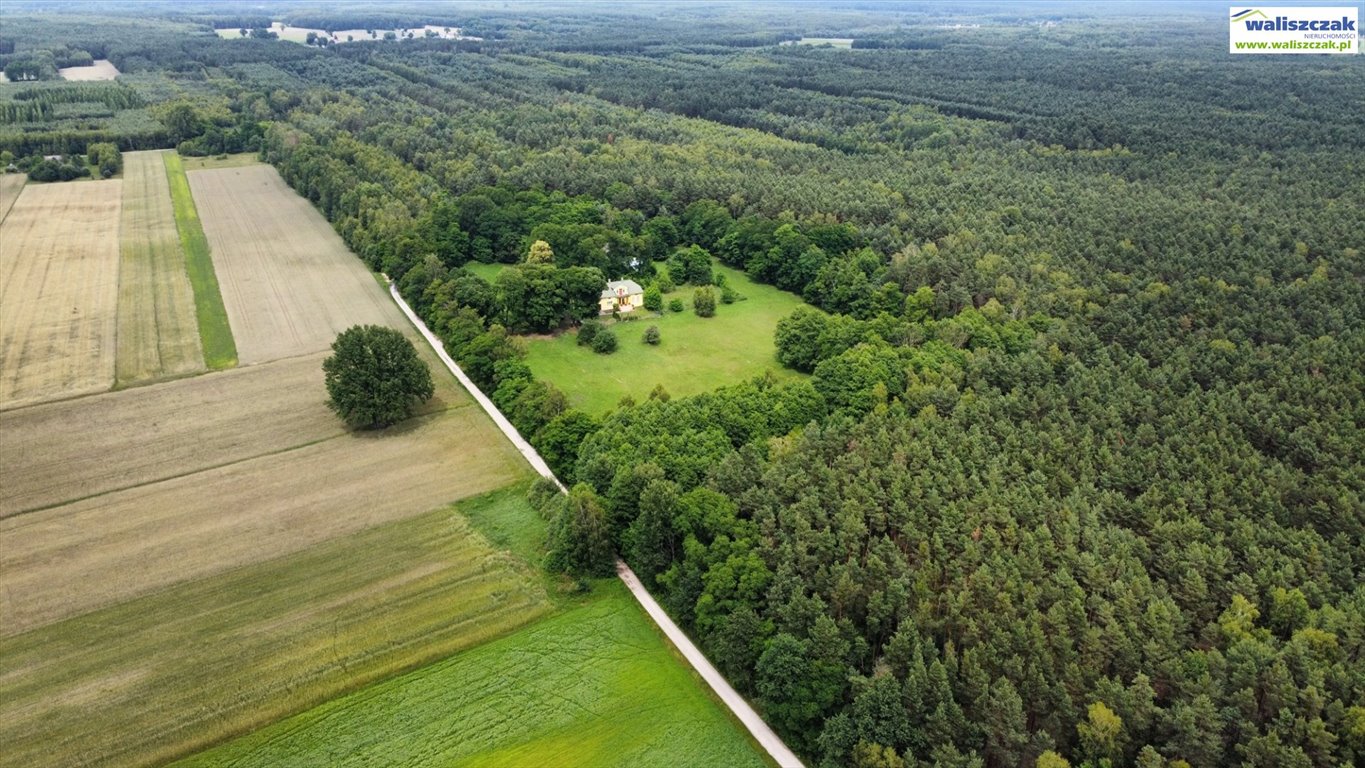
x: 621, y: 296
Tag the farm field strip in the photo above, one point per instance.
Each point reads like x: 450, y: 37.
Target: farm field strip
x: 102, y: 69
x: 60, y: 452
x: 158, y: 334
x: 215, y: 332
x: 56, y: 453
x: 59, y: 291
x: 63, y: 561
x: 289, y: 283
x: 11, y: 184
x: 594, y: 686
x: 171, y: 672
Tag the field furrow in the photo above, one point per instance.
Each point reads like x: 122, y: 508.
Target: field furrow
x: 288, y: 281
x: 158, y: 335
x: 10, y: 186
x: 59, y: 291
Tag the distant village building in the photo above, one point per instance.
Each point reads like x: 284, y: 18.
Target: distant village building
x: 621, y: 296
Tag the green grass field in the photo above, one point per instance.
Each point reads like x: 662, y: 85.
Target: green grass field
x: 593, y: 686
x: 488, y: 272
x: 168, y: 674
x: 220, y: 351
x: 696, y: 354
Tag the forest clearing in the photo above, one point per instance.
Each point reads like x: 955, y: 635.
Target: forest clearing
x: 101, y: 69
x: 695, y: 354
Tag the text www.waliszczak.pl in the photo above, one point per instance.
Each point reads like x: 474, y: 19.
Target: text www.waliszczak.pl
x: 1295, y: 45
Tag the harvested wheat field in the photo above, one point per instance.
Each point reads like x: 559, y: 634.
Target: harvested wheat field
x: 55, y: 453
x: 288, y: 281
x: 10, y: 186
x: 59, y: 291
x: 63, y: 561
x: 102, y: 69
x: 158, y: 335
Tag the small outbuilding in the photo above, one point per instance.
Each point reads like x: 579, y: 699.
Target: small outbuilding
x: 621, y: 296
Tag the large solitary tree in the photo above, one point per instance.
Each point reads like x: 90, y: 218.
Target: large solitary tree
x: 374, y: 377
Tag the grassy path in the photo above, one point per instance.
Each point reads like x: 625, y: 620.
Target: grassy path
x: 220, y: 351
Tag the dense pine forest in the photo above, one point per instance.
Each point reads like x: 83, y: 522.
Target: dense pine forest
x: 1077, y: 475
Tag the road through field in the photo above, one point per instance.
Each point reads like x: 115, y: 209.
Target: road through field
x: 762, y: 733
x: 288, y: 281
x: 59, y: 291
x: 157, y: 332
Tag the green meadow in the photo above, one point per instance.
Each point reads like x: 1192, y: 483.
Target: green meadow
x: 595, y: 684
x: 696, y: 354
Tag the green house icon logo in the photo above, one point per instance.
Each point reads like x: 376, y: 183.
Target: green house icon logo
x: 1250, y: 13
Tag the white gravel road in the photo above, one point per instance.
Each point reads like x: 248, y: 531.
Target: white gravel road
x: 764, y: 735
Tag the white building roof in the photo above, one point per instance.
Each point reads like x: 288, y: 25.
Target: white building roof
x: 622, y: 288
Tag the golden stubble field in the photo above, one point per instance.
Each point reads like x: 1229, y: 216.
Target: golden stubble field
x: 288, y: 281
x: 158, y: 335
x: 59, y: 262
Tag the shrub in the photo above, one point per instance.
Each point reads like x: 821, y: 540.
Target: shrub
x: 604, y: 343
x: 652, y: 335
x: 704, y: 302
x: 588, y: 331
x: 654, y: 298
x: 666, y: 284
x: 728, y: 295
x: 676, y: 305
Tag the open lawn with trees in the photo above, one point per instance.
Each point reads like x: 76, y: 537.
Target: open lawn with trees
x: 694, y: 354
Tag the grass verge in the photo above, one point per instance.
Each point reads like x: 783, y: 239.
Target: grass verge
x: 220, y: 351
x: 596, y: 686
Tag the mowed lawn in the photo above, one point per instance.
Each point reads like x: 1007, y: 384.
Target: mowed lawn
x: 594, y: 686
x: 171, y: 672
x: 696, y: 354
